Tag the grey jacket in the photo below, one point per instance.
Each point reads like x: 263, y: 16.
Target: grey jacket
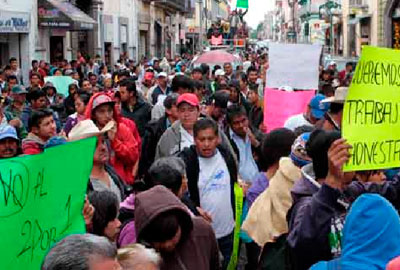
x: 170, y: 142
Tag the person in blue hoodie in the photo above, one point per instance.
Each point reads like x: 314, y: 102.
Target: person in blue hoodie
x: 371, y: 236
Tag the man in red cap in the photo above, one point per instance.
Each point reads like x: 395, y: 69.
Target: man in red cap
x: 180, y: 134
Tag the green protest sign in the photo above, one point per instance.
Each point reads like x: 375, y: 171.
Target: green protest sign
x: 41, y: 201
x: 371, y: 115
x: 61, y: 83
x: 242, y: 4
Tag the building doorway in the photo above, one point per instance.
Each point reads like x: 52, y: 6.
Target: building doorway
x: 56, y: 49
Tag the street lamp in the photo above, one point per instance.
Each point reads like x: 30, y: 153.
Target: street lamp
x: 329, y: 9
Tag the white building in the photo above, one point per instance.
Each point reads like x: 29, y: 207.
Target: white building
x: 18, y: 29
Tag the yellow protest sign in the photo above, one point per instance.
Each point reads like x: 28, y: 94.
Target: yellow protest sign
x: 41, y: 201
x: 371, y: 116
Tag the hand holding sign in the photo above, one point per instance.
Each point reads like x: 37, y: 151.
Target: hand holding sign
x: 41, y: 201
x: 338, y: 155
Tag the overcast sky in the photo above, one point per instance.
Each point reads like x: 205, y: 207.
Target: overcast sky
x: 257, y: 9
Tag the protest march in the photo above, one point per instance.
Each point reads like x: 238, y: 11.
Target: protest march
x: 265, y: 160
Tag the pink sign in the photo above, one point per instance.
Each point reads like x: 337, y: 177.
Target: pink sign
x: 279, y: 105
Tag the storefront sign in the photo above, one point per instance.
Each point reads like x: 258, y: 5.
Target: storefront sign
x: 59, y: 14
x: 14, y: 22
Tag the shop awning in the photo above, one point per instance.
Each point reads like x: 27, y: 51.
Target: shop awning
x: 358, y: 18
x: 63, y: 14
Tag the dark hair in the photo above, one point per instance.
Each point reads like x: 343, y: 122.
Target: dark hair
x: 35, y: 74
x: 220, y: 99
x: 234, y: 111
x: 37, y: 116
x: 166, y: 176
x: 13, y: 59
x: 106, y: 207
x: 92, y: 74
x: 253, y: 87
x: 181, y: 81
x: 227, y: 63
x: 276, y: 144
x: 170, y: 100
x: 349, y: 64
x: 35, y: 95
x: 34, y: 62
x: 85, y: 80
x: 216, y: 67
x: 243, y: 76
x: 327, y: 89
x: 11, y: 77
x: 336, y: 108
x: 162, y: 228
x: 234, y: 84
x: 203, y: 124
x: 317, y: 149
x: 251, y: 69
x: 197, y: 70
x: 205, y: 68
x: 125, y: 73
x: 84, y: 96
x: 130, y: 85
x: 198, y: 85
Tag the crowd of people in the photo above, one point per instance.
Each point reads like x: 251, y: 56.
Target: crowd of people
x: 186, y: 176
x: 230, y: 31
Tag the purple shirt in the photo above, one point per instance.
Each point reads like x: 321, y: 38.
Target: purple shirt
x: 259, y: 185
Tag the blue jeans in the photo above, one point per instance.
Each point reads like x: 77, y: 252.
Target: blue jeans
x: 225, y: 245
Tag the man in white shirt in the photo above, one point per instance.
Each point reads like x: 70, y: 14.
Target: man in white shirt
x: 315, y: 112
x: 212, y: 172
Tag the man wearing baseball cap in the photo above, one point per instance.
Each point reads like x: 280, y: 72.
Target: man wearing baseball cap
x: 161, y: 88
x: 9, y: 142
x: 18, y: 95
x: 315, y: 111
x: 180, y: 134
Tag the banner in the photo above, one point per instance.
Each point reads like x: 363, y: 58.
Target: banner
x: 242, y: 4
x: 371, y: 115
x: 61, y: 83
x: 293, y: 65
x: 280, y: 105
x: 41, y: 201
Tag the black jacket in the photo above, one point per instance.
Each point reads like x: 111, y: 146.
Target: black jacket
x: 141, y: 114
x: 153, y: 132
x: 190, y: 157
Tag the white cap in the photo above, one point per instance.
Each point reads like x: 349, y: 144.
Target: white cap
x: 219, y: 72
x: 331, y: 63
x: 162, y: 74
x: 339, y: 97
x: 87, y: 128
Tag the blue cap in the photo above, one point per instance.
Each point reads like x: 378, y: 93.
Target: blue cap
x: 318, y: 109
x: 7, y: 131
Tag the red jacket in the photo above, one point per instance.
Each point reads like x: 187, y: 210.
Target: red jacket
x: 32, y: 145
x: 125, y: 146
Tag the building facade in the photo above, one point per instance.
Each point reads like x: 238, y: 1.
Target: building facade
x: 18, y: 30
